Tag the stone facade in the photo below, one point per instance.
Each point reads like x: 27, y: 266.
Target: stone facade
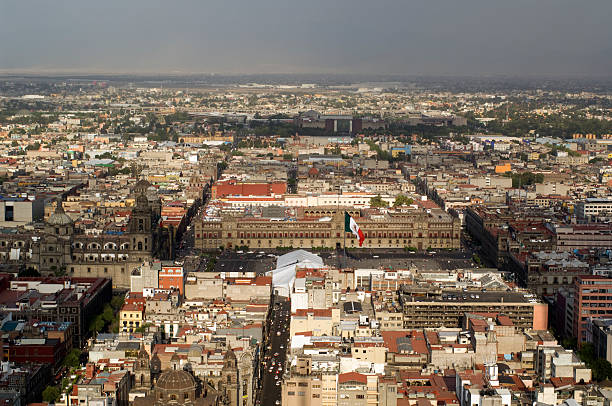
x: 325, y: 228
x: 59, y: 248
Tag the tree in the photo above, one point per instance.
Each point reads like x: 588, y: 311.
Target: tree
x: 602, y: 369
x: 402, y: 200
x: 143, y: 328
x: 377, y: 201
x: 73, y: 359
x: 29, y: 272
x: 50, y: 394
x: 97, y: 324
x: 117, y: 302
x: 587, y: 352
x: 107, y: 314
x: 569, y: 343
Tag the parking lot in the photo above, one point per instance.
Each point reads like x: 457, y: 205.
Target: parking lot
x: 249, y: 261
x: 400, y: 259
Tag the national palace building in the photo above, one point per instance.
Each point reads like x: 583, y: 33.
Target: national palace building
x: 324, y: 227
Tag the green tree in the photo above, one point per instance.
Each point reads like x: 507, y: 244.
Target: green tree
x: 402, y: 200
x: 143, y: 328
x: 587, y: 352
x: 117, y: 302
x: 107, y: 314
x: 73, y: 359
x: 29, y: 272
x: 602, y: 369
x: 377, y: 201
x: 50, y: 394
x: 96, y: 325
x: 569, y: 343
x: 525, y: 178
x: 33, y: 147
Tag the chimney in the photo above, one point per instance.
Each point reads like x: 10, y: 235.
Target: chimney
x: 90, y: 370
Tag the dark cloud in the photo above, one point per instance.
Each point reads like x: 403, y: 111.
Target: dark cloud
x: 412, y: 37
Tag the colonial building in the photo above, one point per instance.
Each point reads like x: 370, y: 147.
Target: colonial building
x: 432, y: 229
x: 60, y: 248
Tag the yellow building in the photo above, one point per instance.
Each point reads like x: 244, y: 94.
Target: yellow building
x: 131, y: 317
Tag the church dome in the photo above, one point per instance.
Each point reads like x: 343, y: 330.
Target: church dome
x: 59, y: 217
x: 176, y: 380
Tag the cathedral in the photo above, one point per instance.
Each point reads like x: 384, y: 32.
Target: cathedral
x: 60, y: 249
x: 175, y: 386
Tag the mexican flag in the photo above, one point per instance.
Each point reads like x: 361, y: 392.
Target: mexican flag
x: 350, y: 226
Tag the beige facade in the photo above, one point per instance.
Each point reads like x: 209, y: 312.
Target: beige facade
x: 325, y: 228
x: 235, y: 291
x: 302, y: 390
x: 203, y: 285
x: 320, y: 322
x: 371, y: 354
x: 390, y: 320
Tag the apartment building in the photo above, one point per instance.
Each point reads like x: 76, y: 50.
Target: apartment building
x: 579, y: 236
x: 592, y: 300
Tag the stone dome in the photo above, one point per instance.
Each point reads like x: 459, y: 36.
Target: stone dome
x: 59, y: 217
x: 176, y: 381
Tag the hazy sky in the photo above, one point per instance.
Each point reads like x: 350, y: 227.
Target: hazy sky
x: 412, y: 37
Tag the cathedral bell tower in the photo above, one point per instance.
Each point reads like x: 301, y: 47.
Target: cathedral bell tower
x: 140, y: 229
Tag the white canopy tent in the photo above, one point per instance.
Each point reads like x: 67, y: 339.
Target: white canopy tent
x: 283, y: 277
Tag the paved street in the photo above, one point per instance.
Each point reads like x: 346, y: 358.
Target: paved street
x: 275, y: 354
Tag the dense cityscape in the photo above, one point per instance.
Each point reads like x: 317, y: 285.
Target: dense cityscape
x: 334, y: 243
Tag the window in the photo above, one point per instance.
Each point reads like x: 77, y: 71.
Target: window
x: 9, y: 213
x: 360, y: 396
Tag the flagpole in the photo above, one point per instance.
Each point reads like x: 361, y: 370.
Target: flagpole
x: 343, y: 230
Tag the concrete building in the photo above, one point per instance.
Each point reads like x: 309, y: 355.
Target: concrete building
x: 600, y: 334
x: 16, y: 212
x: 448, y: 308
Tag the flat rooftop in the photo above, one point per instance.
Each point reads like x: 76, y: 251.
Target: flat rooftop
x: 460, y: 297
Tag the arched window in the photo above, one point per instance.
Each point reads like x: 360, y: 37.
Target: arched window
x: 139, y: 245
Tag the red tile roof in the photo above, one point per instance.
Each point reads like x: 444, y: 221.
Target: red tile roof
x: 352, y: 377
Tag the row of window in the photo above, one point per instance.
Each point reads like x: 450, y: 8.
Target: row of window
x: 323, y: 235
